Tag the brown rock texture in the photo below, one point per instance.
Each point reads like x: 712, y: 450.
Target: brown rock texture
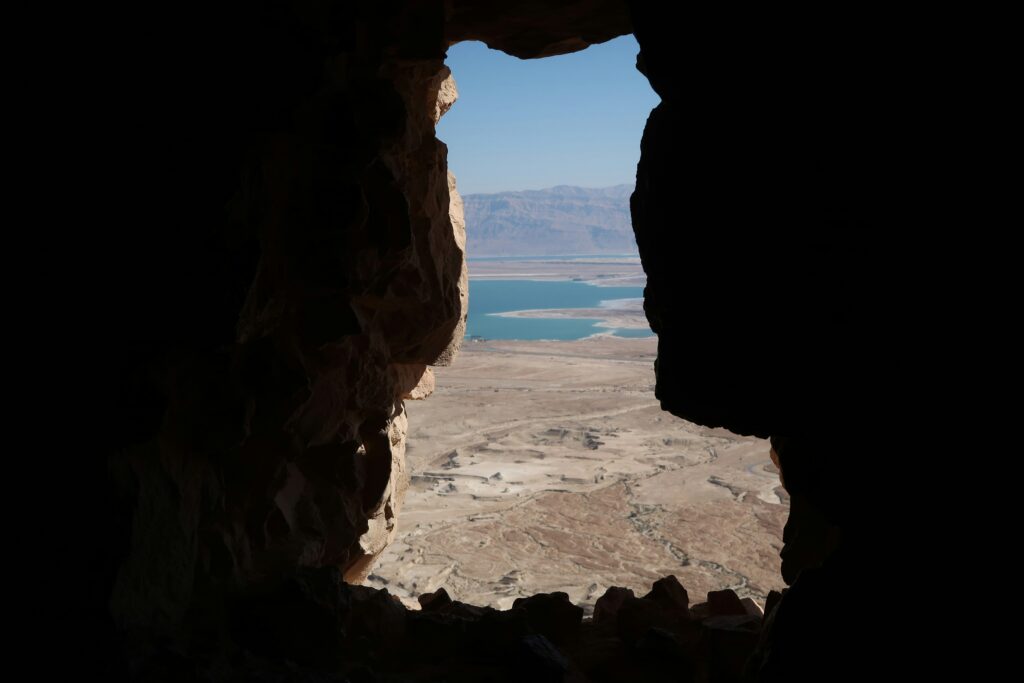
x: 315, y: 624
x: 608, y: 605
x: 281, y: 252
x: 784, y: 154
x: 534, y: 28
x: 286, y: 311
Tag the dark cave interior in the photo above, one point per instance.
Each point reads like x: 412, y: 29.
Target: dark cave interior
x: 291, y: 269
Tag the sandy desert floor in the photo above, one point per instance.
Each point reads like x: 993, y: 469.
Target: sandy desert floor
x: 548, y: 466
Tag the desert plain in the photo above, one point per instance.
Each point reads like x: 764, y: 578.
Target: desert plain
x: 549, y: 466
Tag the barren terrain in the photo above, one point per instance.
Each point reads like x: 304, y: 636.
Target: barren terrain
x: 549, y: 466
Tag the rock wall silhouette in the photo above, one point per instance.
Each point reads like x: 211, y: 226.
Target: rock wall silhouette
x: 306, y: 268
x: 289, y: 261
x: 774, y: 281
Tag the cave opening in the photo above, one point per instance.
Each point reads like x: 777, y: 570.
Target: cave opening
x: 542, y: 460
x: 287, y: 270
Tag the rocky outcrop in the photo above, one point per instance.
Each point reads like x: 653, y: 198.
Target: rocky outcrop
x: 456, y: 214
x: 759, y: 199
x: 309, y: 268
x: 284, y: 258
x: 314, y: 627
x: 534, y: 28
x: 791, y: 176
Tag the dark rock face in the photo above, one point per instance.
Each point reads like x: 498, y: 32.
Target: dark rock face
x: 433, y: 602
x: 761, y: 199
x: 772, y: 193
x: 287, y: 258
x: 637, y: 616
x: 725, y: 603
x: 304, y: 267
x: 534, y: 28
x: 552, y: 615
x: 314, y: 626
x: 670, y: 593
x: 609, y: 604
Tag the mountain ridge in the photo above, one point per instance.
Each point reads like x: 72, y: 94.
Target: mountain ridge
x: 556, y: 221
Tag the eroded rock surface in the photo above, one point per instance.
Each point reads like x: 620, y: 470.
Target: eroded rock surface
x: 311, y: 268
x: 534, y: 28
x: 567, y: 476
x: 283, y: 249
x: 322, y: 627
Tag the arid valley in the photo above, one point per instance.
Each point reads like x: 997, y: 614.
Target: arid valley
x: 548, y: 466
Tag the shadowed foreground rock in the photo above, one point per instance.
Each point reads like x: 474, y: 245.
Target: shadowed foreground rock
x: 284, y: 257
x: 316, y: 627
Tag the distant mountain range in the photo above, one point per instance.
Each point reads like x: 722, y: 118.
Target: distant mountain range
x: 553, y: 222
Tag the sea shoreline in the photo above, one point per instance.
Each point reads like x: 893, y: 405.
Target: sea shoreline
x: 612, y: 272
x: 631, y: 318
x: 607, y: 316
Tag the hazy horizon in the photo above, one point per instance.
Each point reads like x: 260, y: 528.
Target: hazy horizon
x: 553, y: 187
x: 565, y: 220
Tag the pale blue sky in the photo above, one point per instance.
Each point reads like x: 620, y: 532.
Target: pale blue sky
x: 529, y: 124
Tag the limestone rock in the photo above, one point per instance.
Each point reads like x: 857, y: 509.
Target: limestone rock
x: 293, y: 238
x: 552, y: 615
x: 528, y: 28
x: 431, y: 602
x: 304, y: 280
x: 607, y: 606
x: 752, y: 608
x: 541, y: 660
x: 771, y: 601
x: 669, y: 593
x: 724, y: 603
x: 416, y: 381
x: 700, y: 611
x: 638, y: 615
x: 447, y: 93
x: 456, y: 216
x: 503, y: 626
x: 384, y: 448
x: 375, y: 615
x: 730, y: 642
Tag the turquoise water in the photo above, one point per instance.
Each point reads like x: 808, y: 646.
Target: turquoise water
x: 499, y: 296
x: 566, y: 257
